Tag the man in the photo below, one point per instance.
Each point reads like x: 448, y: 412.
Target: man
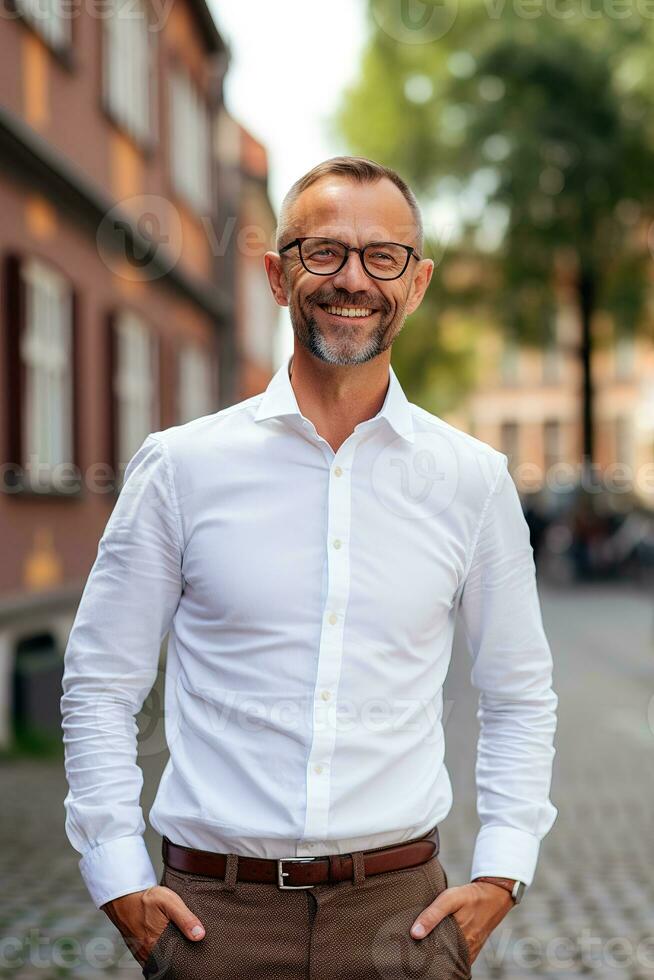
x: 308, y: 551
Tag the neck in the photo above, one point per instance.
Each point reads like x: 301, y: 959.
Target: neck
x: 336, y: 398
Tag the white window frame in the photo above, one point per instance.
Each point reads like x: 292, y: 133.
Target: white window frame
x: 135, y: 384
x: 510, y: 362
x: 190, y: 141
x: 195, y: 383
x: 48, y: 19
x: 624, y: 440
x: 624, y: 353
x: 46, y: 355
x: 552, y: 443
x: 510, y: 441
x: 128, y: 68
x: 551, y: 363
x: 260, y: 315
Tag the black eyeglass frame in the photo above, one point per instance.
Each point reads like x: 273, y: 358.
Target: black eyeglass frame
x: 410, y: 253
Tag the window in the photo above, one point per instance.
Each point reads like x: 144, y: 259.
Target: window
x: 509, y: 363
x: 624, y: 449
x: 551, y: 443
x: 189, y: 141
x: 260, y: 315
x: 551, y: 363
x: 45, y: 348
x: 135, y: 385
x: 195, y: 384
x: 509, y: 442
x: 47, y: 17
x: 625, y: 357
x: 128, y: 67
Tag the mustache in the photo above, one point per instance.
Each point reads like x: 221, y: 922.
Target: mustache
x: 336, y: 297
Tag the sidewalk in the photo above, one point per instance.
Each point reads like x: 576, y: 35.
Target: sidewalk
x: 590, y: 910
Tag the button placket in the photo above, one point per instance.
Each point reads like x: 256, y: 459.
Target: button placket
x: 331, y: 643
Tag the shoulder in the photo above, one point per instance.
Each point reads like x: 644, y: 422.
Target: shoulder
x: 194, y: 438
x: 472, y: 454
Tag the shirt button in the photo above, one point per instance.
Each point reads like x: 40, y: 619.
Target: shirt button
x: 337, y: 543
x: 318, y: 770
x: 333, y: 619
x: 338, y: 471
x: 325, y: 695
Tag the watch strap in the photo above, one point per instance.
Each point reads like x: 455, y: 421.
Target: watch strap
x: 509, y: 884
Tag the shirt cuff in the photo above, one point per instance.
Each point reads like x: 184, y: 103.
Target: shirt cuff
x: 117, y: 868
x: 505, y: 852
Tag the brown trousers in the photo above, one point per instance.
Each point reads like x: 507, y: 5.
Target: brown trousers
x: 352, y: 930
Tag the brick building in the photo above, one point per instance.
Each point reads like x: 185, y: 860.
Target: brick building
x: 117, y: 315
x: 527, y: 403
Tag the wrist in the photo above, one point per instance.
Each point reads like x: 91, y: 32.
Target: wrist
x: 513, y: 886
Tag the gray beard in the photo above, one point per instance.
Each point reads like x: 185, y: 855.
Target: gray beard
x: 344, y: 353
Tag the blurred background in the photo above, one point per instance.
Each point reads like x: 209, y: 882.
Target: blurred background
x: 145, y: 147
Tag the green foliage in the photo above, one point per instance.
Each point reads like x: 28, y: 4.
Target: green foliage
x: 542, y: 124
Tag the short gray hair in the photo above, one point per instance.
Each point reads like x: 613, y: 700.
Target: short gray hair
x: 355, y: 168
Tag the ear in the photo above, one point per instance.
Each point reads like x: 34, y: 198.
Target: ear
x: 276, y: 277
x: 419, y: 285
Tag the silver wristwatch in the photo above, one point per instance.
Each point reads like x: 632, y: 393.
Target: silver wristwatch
x: 516, y: 888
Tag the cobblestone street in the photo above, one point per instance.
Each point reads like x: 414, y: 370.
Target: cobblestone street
x: 590, y: 911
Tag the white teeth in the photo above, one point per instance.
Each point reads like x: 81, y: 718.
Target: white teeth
x: 349, y: 311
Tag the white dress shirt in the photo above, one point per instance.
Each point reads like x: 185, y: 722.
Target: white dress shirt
x: 310, y: 599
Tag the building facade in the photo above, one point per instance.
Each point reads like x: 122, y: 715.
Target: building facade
x: 116, y: 313
x: 527, y: 403
x: 245, y: 231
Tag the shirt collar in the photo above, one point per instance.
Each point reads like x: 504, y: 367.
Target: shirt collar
x: 279, y: 399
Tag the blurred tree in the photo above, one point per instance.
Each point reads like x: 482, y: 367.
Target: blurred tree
x: 542, y: 135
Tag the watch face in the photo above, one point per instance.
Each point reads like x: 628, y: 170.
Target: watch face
x: 518, y: 891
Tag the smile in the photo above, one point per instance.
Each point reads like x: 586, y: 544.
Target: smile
x: 348, y: 311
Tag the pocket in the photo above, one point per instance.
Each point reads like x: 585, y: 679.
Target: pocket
x: 448, y: 934
x: 158, y: 962
x: 463, y: 942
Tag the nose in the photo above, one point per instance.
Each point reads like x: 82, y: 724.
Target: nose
x: 352, y: 277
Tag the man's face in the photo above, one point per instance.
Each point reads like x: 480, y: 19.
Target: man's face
x: 356, y: 214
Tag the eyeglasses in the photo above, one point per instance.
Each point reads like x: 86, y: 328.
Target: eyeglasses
x: 326, y: 256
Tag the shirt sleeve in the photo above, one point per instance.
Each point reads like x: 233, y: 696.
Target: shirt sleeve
x: 512, y: 669
x: 110, y: 666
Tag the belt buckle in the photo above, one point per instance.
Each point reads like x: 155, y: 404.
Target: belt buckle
x: 281, y: 874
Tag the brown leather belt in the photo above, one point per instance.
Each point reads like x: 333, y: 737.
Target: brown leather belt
x: 303, y: 872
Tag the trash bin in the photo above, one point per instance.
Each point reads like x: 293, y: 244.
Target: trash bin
x: 38, y: 673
